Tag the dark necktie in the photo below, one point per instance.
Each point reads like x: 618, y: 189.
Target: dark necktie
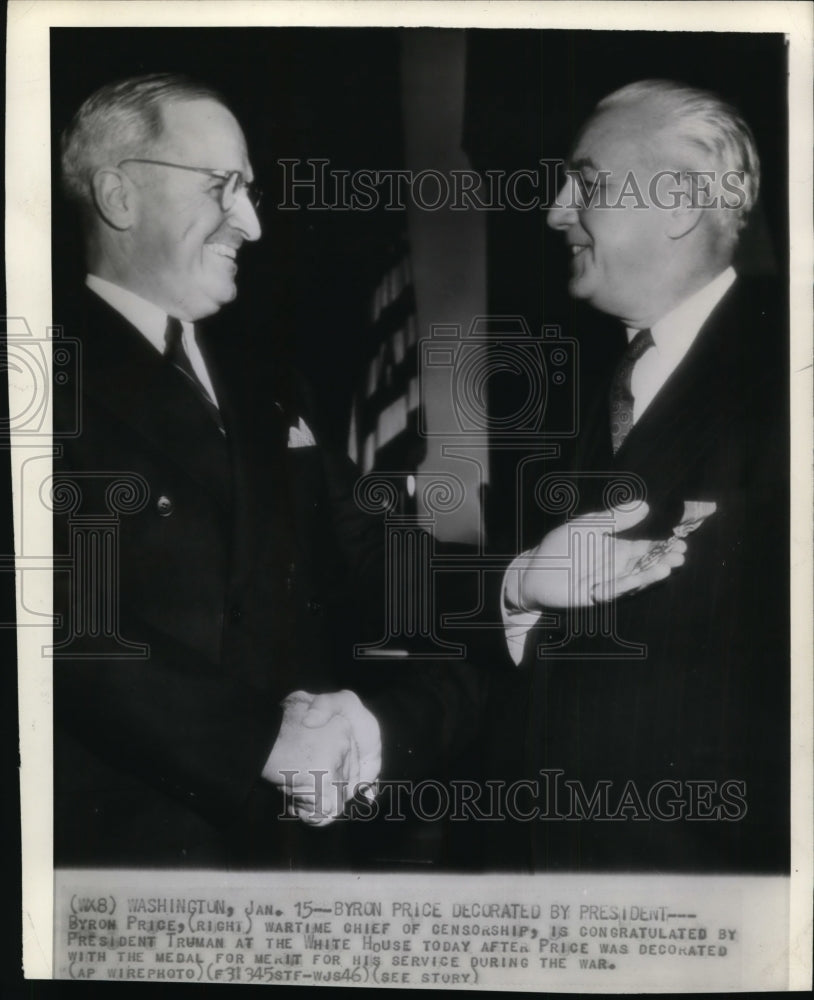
x: 621, y: 400
x: 175, y: 353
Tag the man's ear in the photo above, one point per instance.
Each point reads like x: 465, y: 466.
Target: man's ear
x: 687, y: 211
x: 115, y: 197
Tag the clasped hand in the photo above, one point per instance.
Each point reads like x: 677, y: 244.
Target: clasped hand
x: 584, y: 562
x: 328, y: 750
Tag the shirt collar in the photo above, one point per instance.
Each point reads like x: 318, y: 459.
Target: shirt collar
x: 149, y: 319
x: 674, y: 333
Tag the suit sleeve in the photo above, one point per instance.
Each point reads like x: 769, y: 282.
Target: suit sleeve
x: 198, y: 738
x: 187, y: 726
x: 430, y: 710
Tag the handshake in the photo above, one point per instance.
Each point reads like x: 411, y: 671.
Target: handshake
x: 328, y: 749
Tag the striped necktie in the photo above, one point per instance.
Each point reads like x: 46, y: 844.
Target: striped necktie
x: 621, y: 399
x: 175, y: 353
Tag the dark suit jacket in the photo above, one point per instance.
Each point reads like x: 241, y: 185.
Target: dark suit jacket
x: 704, y: 697
x: 247, y: 569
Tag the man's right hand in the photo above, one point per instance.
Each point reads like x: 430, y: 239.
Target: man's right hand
x: 315, y: 768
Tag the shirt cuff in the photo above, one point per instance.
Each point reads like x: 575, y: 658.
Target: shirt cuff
x: 516, y: 620
x: 368, y: 734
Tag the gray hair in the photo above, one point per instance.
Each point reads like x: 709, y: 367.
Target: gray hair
x: 708, y: 125
x: 119, y: 120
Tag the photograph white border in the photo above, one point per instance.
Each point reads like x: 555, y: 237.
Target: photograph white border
x: 28, y: 253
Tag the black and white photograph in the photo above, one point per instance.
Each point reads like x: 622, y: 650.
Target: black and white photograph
x: 412, y: 450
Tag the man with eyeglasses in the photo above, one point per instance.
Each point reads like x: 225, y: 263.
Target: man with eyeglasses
x: 242, y: 558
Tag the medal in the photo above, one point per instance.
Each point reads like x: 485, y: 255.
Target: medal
x: 695, y: 513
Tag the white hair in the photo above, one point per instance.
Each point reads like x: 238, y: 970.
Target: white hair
x: 707, y: 125
x: 117, y: 121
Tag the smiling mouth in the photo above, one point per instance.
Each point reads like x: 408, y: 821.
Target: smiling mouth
x: 222, y: 250
x: 575, y: 250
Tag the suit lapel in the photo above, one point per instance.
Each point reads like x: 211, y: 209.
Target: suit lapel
x: 257, y: 429
x: 129, y: 378
x: 681, y: 420
x: 673, y: 445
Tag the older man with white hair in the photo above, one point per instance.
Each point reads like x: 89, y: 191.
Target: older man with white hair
x: 659, y: 713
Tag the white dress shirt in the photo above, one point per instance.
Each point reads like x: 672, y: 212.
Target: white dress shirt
x: 673, y: 336
x: 151, y: 322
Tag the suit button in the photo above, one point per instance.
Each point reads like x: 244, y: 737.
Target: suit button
x: 164, y: 506
x: 314, y: 607
x: 235, y: 614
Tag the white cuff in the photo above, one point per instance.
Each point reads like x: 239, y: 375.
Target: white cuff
x: 368, y: 735
x: 516, y: 621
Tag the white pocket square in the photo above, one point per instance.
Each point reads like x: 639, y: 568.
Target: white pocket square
x: 300, y: 436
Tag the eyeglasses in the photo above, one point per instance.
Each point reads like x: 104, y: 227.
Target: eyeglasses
x: 233, y: 182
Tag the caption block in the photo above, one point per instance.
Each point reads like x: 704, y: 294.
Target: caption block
x: 557, y: 933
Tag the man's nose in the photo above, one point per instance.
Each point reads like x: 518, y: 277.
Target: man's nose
x: 243, y: 217
x: 563, y: 212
